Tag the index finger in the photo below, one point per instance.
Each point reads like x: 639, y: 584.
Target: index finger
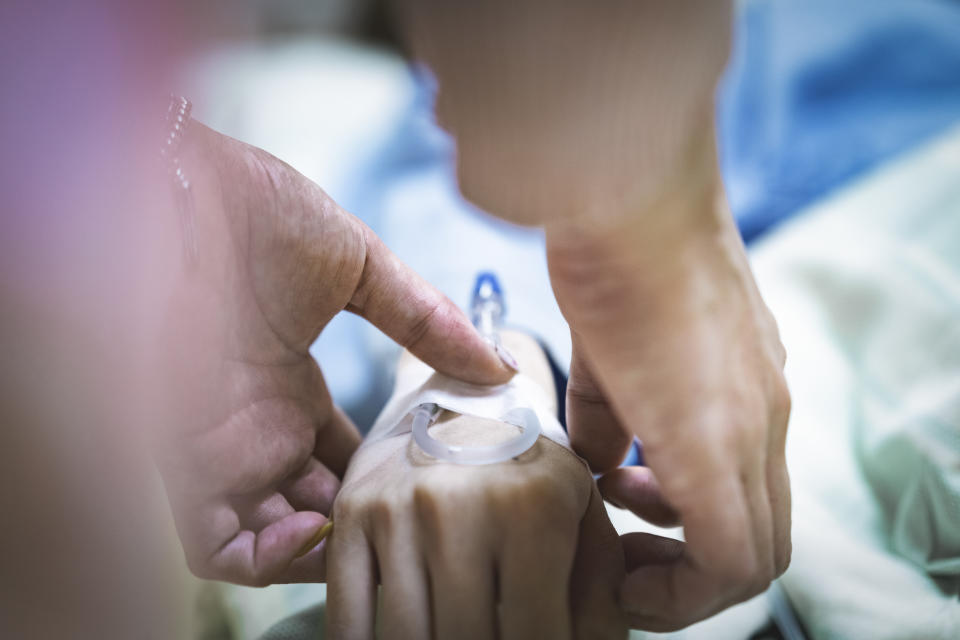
x: 417, y: 316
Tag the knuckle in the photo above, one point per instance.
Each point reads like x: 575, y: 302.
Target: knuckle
x: 539, y: 488
x: 757, y: 584
x: 427, y: 507
x: 511, y: 496
x: 199, y: 568
x: 743, y: 577
x: 258, y: 579
x: 763, y: 579
x: 342, y: 509
x: 367, y: 508
x: 779, y: 351
x: 750, y: 420
x: 349, y: 504
x: 381, y: 513
x: 784, y: 555
x: 534, y: 502
x: 780, y: 399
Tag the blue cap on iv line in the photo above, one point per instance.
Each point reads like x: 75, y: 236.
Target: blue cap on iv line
x: 487, y: 308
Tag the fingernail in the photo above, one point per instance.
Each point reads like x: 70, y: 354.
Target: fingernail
x: 315, y: 539
x: 506, y: 357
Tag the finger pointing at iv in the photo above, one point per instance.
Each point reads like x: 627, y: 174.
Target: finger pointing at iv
x: 418, y: 317
x: 256, y: 449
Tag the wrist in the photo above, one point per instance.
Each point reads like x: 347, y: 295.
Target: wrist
x: 682, y: 196
x: 649, y: 264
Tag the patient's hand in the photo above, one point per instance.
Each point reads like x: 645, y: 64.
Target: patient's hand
x: 520, y: 549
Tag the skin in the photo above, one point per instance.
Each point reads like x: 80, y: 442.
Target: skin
x: 595, y: 122
x: 519, y: 549
x: 254, y: 449
x: 697, y: 375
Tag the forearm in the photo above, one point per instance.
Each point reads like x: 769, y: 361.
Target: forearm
x: 607, y: 272
x: 627, y: 287
x: 583, y: 112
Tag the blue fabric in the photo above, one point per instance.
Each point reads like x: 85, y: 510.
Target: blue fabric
x: 818, y: 91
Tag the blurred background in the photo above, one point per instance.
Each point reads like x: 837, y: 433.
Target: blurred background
x: 839, y: 130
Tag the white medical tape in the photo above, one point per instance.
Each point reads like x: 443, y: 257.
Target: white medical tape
x: 418, y: 384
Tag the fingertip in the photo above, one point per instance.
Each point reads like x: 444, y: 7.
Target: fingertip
x: 265, y: 557
x: 490, y: 368
x: 492, y: 363
x: 315, y: 538
x: 460, y: 352
x: 506, y: 358
x: 420, y: 318
x: 287, y: 540
x: 310, y: 568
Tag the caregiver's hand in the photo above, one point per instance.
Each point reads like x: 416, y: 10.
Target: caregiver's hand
x: 255, y: 448
x: 517, y: 550
x: 672, y: 343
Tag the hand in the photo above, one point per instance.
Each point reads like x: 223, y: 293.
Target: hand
x: 255, y: 447
x: 516, y: 550
x: 672, y: 343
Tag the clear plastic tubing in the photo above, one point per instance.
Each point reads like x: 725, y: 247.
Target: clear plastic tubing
x: 425, y: 414
x: 487, y: 308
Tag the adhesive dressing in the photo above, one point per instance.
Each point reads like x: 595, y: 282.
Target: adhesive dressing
x: 421, y: 393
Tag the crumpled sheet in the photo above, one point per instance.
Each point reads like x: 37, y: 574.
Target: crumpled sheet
x: 866, y: 289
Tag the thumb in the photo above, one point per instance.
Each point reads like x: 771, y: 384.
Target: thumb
x: 392, y: 297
